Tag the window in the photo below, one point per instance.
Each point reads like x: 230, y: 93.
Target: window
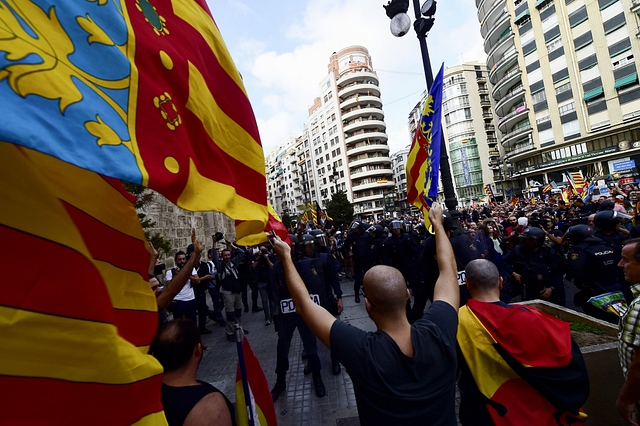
x: 554, y: 44
x: 539, y: 97
x: 543, y: 119
x: 550, y: 22
x: 563, y: 88
x: 571, y: 128
x: 622, y: 62
x: 567, y: 108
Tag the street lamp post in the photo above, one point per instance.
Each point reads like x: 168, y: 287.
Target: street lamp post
x: 396, y: 10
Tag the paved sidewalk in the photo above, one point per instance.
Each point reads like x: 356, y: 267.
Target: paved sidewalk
x: 298, y: 405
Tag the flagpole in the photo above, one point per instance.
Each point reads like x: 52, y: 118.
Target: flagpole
x: 243, y: 373
x: 450, y: 199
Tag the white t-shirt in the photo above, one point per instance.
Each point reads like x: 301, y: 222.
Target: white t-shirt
x: 187, y: 291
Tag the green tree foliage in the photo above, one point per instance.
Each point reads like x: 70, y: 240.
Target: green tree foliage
x: 340, y: 209
x: 143, y: 197
x: 286, y: 220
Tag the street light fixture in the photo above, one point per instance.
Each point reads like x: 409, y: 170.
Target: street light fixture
x: 425, y: 18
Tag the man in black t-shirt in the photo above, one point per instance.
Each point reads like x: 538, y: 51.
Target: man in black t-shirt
x: 403, y: 374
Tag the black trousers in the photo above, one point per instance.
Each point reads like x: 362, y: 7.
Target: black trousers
x: 287, y: 323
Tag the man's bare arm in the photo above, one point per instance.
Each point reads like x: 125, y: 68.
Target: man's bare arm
x: 446, y: 288
x: 317, y: 318
x: 211, y: 410
x: 178, y: 282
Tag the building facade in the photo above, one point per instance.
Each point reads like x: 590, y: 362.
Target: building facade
x: 564, y: 85
x: 343, y: 145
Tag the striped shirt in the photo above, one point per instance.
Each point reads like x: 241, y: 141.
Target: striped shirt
x: 629, y: 334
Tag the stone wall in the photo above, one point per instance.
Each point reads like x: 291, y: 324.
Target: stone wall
x: 175, y: 225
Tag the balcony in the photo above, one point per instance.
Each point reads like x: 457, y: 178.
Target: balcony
x: 364, y: 124
x: 508, y: 121
x: 364, y: 135
x: 363, y: 112
x: 503, y: 86
x: 635, y: 6
x: 364, y: 89
x: 516, y: 136
x: 371, y: 159
x: 354, y: 100
x: 372, y: 147
x: 385, y: 171
x: 492, y: 142
x: 513, y: 97
x: 496, y: 52
x: 520, y: 149
x: 500, y: 30
x: 494, y: 14
x: 509, y: 58
x: 373, y: 185
x: 354, y: 76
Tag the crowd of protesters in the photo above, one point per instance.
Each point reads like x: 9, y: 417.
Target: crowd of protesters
x: 536, y: 246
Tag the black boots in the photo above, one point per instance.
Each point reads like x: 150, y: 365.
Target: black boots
x: 278, y: 388
x: 317, y: 383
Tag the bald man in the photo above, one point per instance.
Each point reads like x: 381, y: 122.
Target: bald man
x: 402, y: 374
x: 517, y: 344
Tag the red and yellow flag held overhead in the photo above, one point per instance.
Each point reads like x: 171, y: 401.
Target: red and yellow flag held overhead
x: 136, y: 90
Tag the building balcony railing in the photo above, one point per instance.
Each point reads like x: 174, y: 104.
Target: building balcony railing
x: 505, y: 83
x: 520, y: 149
x: 510, y: 138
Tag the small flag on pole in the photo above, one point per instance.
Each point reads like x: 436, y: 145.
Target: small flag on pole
x: 253, y: 398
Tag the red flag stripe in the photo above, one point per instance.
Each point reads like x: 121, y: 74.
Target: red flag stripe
x: 137, y: 327
x: 58, y: 267
x: 110, y: 245
x: 29, y: 400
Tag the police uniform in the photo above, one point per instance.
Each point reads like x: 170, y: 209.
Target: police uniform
x: 311, y: 272
x: 591, y: 263
x: 360, y: 245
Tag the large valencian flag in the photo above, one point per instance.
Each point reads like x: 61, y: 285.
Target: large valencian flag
x: 94, y: 91
x: 139, y: 90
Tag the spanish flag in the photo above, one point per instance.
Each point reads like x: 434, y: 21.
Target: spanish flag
x: 524, y: 363
x: 253, y: 398
x: 135, y: 90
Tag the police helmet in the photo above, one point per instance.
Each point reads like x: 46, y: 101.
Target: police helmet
x: 605, y: 220
x: 307, y: 239
x: 396, y: 224
x: 606, y: 205
x: 419, y: 228
x: 371, y: 229
x: 448, y: 221
x: 534, y: 233
x: 580, y: 233
x: 379, y: 230
x: 356, y: 224
x: 407, y: 226
x: 320, y: 237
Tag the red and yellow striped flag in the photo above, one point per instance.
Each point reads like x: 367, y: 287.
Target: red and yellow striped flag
x: 314, y: 214
x: 75, y: 333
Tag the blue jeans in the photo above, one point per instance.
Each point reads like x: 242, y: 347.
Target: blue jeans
x: 184, y: 309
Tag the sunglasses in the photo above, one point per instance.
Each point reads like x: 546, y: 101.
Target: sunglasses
x: 365, y: 296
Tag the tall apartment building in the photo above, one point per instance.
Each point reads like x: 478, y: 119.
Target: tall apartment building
x: 469, y: 130
x: 345, y: 137
x: 564, y: 83
x: 284, y: 191
x: 399, y: 163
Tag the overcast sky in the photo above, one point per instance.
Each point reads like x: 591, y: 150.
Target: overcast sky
x: 282, y: 50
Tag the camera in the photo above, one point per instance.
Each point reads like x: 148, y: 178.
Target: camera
x: 264, y: 251
x: 219, y: 236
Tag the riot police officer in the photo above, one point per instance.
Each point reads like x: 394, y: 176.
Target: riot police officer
x: 358, y: 243
x: 591, y: 263
x: 537, y: 270
x: 427, y: 271
x: 328, y: 273
x: 288, y: 319
x: 606, y: 228
x: 376, y: 249
x: 400, y: 251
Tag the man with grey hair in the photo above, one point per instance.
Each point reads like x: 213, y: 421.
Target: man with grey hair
x: 517, y: 364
